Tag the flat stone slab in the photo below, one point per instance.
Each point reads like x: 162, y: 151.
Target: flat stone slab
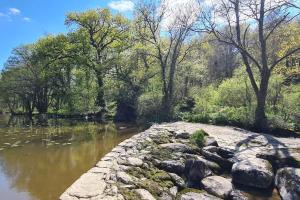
x: 88, y: 186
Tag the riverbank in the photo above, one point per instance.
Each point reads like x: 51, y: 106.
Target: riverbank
x: 162, y: 163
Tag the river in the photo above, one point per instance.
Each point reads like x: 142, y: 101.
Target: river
x: 39, y: 162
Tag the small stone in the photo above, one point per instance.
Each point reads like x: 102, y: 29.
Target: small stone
x: 225, y: 152
x: 287, y: 181
x: 253, y: 172
x: 218, y: 186
x: 104, y: 164
x: 211, y: 149
x: 173, y: 191
x: 124, y: 178
x: 210, y: 141
x: 178, y: 181
x: 226, y: 164
x: 237, y: 195
x: 182, y: 135
x: 165, y: 196
x: 135, y: 161
x: 144, y: 194
x: 177, y: 147
x: 100, y: 170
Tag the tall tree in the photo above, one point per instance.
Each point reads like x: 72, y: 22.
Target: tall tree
x: 165, y: 30
x: 252, y: 27
x: 107, y: 36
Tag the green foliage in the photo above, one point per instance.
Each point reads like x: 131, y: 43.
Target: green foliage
x: 198, y: 137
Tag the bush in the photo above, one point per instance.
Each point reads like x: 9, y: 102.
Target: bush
x: 198, y: 137
x: 198, y: 118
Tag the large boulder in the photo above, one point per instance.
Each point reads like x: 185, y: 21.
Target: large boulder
x: 198, y: 196
x: 195, y: 171
x: 218, y: 186
x: 253, y: 172
x: 287, y: 181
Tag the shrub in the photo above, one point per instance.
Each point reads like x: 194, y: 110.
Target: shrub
x: 199, y: 118
x: 198, y: 137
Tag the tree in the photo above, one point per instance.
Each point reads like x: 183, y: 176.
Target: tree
x: 107, y: 36
x: 252, y: 27
x: 166, y: 35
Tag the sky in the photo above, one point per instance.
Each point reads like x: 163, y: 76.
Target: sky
x: 24, y: 21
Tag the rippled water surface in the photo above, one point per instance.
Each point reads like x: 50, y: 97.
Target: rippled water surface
x: 40, y: 162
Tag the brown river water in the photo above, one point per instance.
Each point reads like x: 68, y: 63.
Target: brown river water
x: 40, y: 162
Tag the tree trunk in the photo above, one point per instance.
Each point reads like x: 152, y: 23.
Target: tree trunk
x: 261, y: 122
x: 100, y: 101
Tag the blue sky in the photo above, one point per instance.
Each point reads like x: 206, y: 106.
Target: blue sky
x: 24, y: 21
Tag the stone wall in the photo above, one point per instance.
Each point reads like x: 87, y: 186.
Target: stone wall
x: 162, y: 163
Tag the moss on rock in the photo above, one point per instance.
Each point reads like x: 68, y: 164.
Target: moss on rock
x: 128, y: 194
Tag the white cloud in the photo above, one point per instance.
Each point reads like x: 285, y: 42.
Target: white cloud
x: 14, y: 11
x: 2, y: 14
x: 27, y: 19
x: 122, y: 5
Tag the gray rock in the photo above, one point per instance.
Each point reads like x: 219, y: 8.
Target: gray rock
x: 211, y: 149
x: 172, y: 166
x: 165, y: 196
x: 217, y: 185
x: 195, y: 171
x: 210, y: 141
x: 253, y: 172
x: 182, y: 135
x: 211, y: 165
x: 178, y: 181
x: 124, y: 178
x: 89, y: 185
x: 226, y: 164
x: 177, y: 147
x: 281, y: 157
x: 144, y: 194
x: 135, y: 161
x: 287, y: 181
x: 237, y: 195
x: 173, y: 191
x: 225, y: 152
x: 198, y: 196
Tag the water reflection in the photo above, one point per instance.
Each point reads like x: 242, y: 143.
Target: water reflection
x: 41, y: 162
